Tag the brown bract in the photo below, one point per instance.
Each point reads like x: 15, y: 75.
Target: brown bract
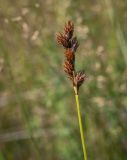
x: 70, y: 45
x: 69, y: 55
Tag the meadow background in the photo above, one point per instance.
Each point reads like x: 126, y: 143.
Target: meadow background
x: 38, y: 118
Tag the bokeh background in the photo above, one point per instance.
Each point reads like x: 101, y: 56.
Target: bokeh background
x: 38, y: 117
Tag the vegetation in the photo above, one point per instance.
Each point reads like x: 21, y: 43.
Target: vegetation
x: 37, y: 119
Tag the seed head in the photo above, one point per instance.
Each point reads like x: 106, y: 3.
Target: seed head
x: 70, y: 45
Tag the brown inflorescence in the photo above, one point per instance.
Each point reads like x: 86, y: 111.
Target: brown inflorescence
x: 70, y: 45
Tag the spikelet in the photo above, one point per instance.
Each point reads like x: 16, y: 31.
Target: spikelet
x: 74, y: 44
x: 69, y: 29
x: 69, y: 69
x: 70, y: 56
x: 79, y: 79
x: 62, y: 40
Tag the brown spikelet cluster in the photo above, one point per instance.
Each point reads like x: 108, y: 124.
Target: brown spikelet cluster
x: 70, y: 44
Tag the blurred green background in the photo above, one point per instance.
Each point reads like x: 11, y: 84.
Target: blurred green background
x: 38, y: 117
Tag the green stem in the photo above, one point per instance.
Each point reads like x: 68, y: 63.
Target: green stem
x: 80, y: 125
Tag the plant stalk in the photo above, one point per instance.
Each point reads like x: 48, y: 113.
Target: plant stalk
x: 80, y: 124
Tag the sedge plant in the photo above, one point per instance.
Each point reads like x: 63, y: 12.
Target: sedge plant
x: 70, y: 44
